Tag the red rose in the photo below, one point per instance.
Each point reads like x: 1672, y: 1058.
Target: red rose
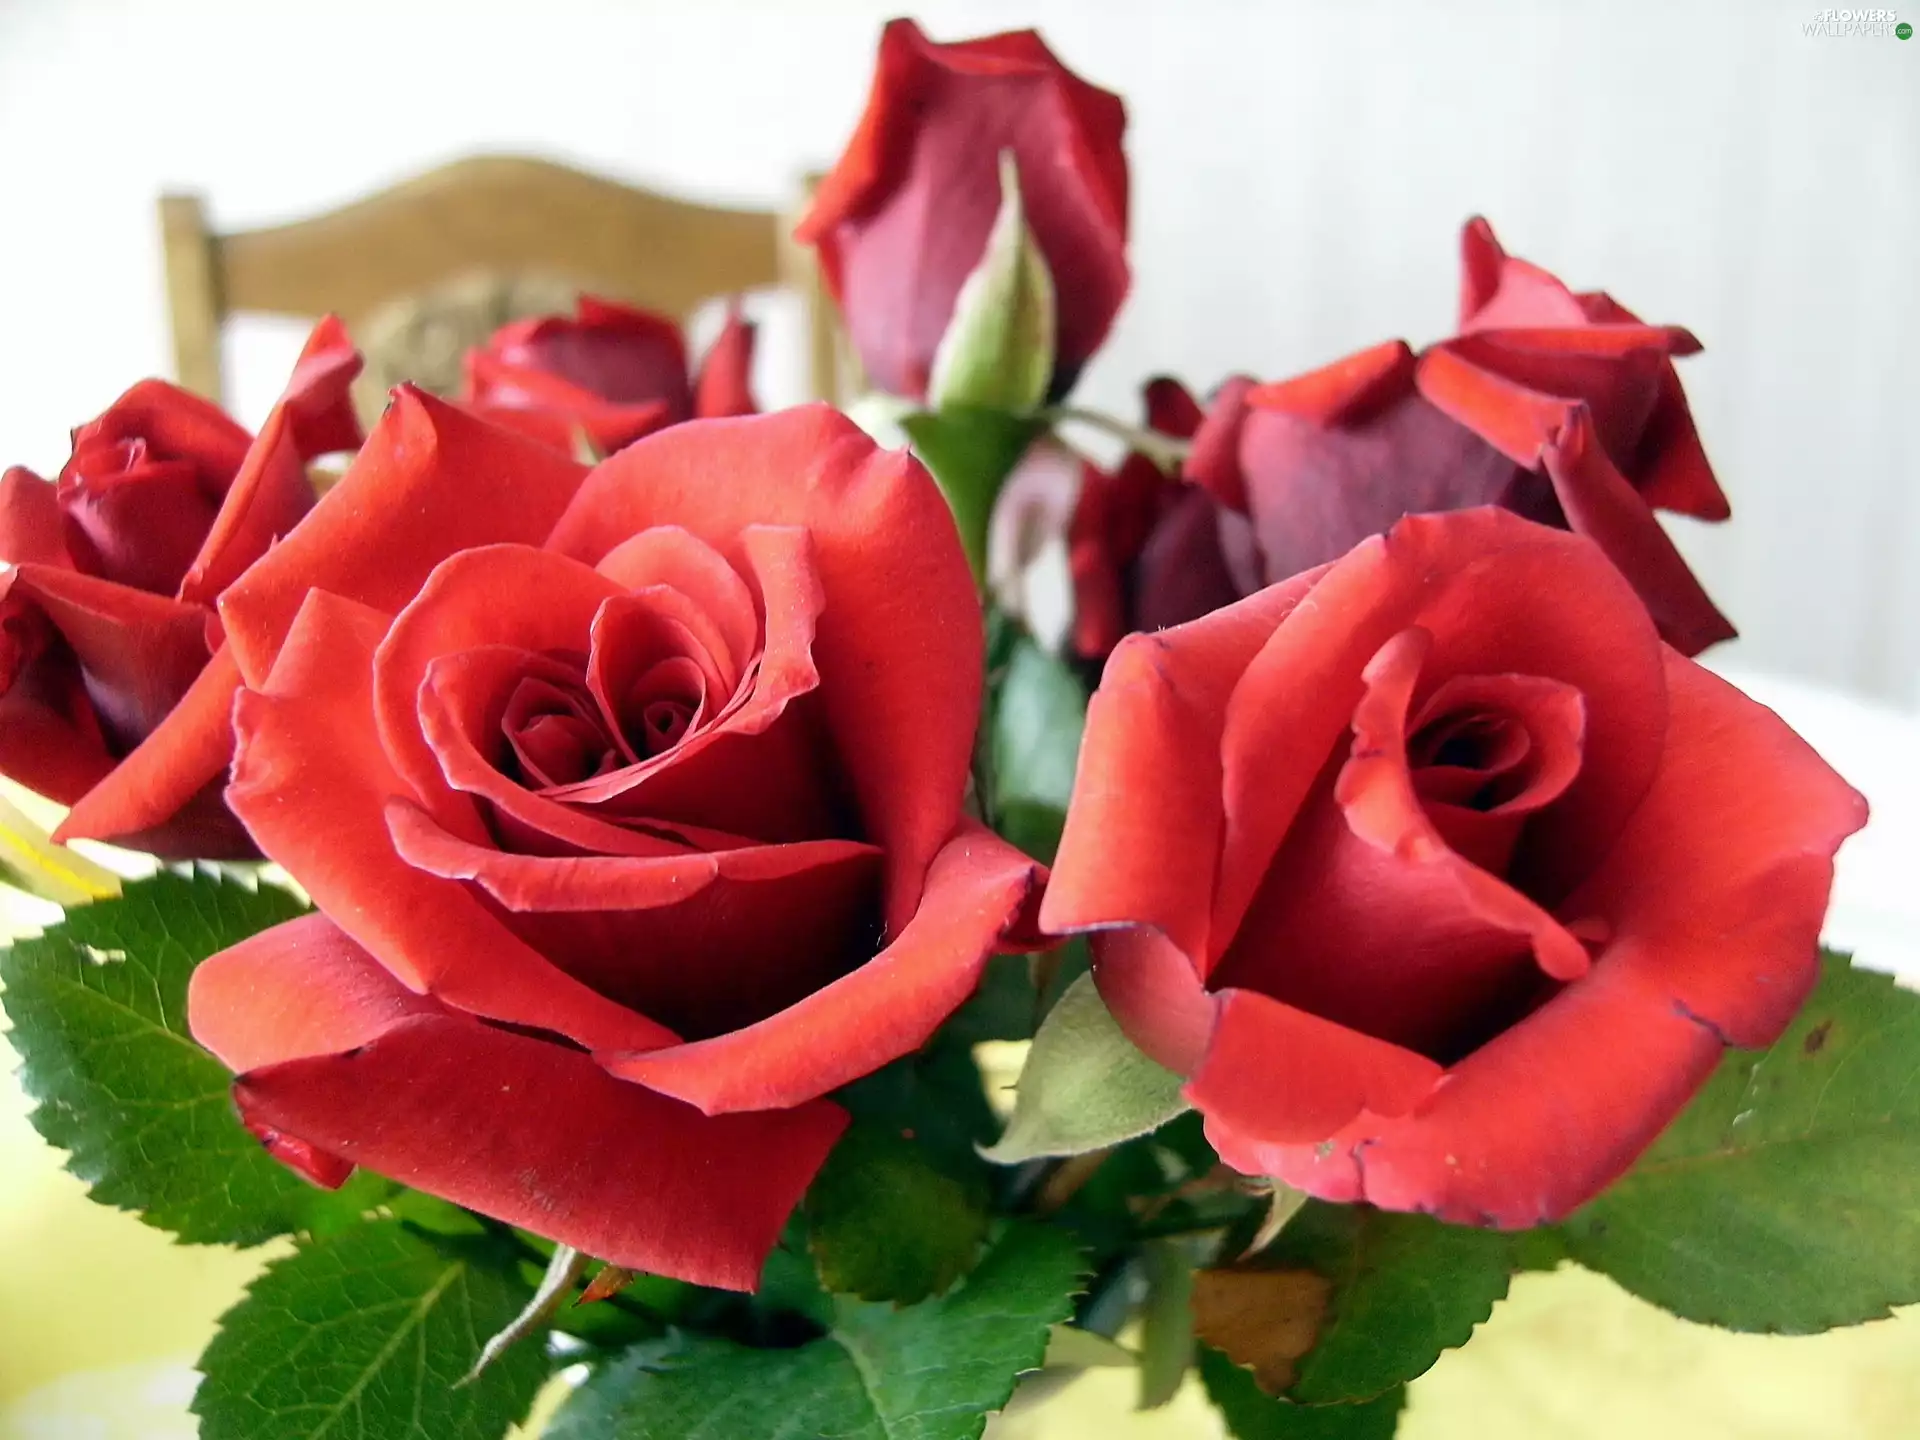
x: 630, y: 801
x: 903, y: 218
x: 108, y: 699
x: 611, y: 372
x: 1148, y: 550
x: 1442, y: 880
x: 1563, y: 408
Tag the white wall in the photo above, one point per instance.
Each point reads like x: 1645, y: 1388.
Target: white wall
x: 1300, y: 173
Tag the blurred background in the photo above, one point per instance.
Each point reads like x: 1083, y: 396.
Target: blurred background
x: 1300, y: 173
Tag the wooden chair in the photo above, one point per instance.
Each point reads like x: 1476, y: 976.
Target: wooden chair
x: 491, y: 216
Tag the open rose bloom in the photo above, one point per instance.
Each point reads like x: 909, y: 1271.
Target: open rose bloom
x: 1443, y: 880
x: 630, y: 800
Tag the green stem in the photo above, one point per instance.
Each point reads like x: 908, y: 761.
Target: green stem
x: 1166, y: 451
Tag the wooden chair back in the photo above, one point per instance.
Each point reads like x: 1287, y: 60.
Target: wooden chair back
x: 490, y: 216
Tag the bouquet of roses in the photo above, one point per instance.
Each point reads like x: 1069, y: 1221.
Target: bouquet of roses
x: 1384, y: 899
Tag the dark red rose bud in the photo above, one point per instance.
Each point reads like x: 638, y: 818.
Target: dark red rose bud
x: 115, y: 692
x: 609, y: 372
x: 903, y: 217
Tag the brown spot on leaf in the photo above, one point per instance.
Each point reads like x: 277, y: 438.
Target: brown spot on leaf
x: 1816, y: 1038
x: 1265, y: 1320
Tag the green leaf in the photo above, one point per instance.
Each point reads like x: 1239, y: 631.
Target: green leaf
x: 1038, y: 716
x: 1031, y: 827
x: 1405, y: 1289
x: 1166, y: 1324
x: 928, y: 1372
x: 1003, y: 1006
x: 1085, y: 1086
x: 363, y: 1336
x: 997, y: 350
x: 1787, y: 1196
x: 1252, y: 1414
x: 99, y: 1012
x: 884, y: 1224
x: 970, y: 453
x: 933, y: 1097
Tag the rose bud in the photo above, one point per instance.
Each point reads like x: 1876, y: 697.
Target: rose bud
x: 609, y: 373
x: 904, y: 217
x: 1563, y: 408
x: 631, y: 804
x: 115, y: 688
x: 1443, y: 881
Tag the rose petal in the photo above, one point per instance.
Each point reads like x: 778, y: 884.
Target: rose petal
x: 1300, y: 690
x: 757, y: 769
x: 165, y: 773
x: 703, y: 943
x: 1149, y: 854
x: 1615, y: 370
x: 511, y: 596
x: 138, y: 519
x: 875, y: 1014
x: 1214, y: 462
x: 1183, y: 570
x: 537, y: 1135
x: 1497, y: 289
x: 460, y: 707
x: 1480, y: 813
x: 1155, y: 993
x: 311, y: 783
x: 32, y: 525
x: 724, y: 386
x: 1599, y: 503
x: 1346, y: 391
x: 1720, y: 882
x: 1526, y: 599
x: 670, y: 555
x: 602, y: 882
x: 1279, y: 1074
x: 1527, y: 1128
x: 554, y: 410
x: 608, y: 350
x: 898, y: 643
x: 633, y: 636
x: 269, y: 496
x: 1369, y: 920
x: 430, y: 482
x: 50, y: 739
x: 319, y: 394
x: 137, y: 651
x: 301, y: 988
x: 1315, y: 490
x: 173, y: 424
x: 1558, y: 435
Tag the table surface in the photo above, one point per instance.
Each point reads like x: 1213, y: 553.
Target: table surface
x: 100, y: 1317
